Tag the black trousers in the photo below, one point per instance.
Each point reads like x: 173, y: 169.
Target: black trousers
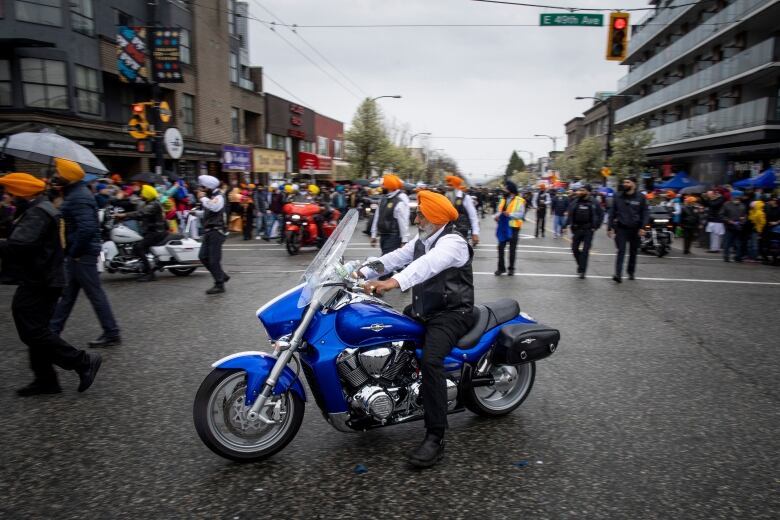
x: 512, y: 250
x: 582, y: 237
x: 389, y: 243
x: 541, y: 214
x: 441, y: 334
x: 32, y: 309
x: 142, y: 247
x: 211, y: 254
x: 83, y: 274
x: 688, y: 236
x: 626, y: 237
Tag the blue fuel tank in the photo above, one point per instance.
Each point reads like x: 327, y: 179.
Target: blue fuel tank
x: 363, y: 324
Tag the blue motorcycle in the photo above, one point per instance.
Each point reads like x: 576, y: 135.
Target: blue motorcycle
x: 360, y: 358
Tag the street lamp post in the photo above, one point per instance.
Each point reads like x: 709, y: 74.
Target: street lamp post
x: 396, y: 96
x: 411, y: 142
x: 554, y: 140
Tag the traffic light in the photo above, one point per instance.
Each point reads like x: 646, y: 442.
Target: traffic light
x: 617, y: 36
x: 138, y: 127
x: 139, y: 109
x: 143, y: 146
x: 606, y: 171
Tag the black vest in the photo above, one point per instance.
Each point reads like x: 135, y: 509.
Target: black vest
x: 462, y: 223
x: 214, y: 219
x: 450, y: 290
x: 387, y: 223
x: 582, y: 213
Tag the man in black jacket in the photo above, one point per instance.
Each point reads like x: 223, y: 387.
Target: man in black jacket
x: 82, y: 248
x: 213, y: 202
x: 628, y: 217
x: 34, y: 251
x: 584, y: 216
x: 153, y: 228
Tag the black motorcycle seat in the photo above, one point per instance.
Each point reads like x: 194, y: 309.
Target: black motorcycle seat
x: 486, y: 316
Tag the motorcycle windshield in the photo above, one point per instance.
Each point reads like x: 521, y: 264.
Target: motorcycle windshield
x: 323, y: 267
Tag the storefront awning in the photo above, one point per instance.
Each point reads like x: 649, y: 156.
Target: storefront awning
x: 311, y: 161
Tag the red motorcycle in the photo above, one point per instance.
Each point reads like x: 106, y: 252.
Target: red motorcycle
x: 300, y: 225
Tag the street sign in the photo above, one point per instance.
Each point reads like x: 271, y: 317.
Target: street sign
x: 138, y: 128
x: 174, y: 144
x: 165, y: 111
x: 606, y: 171
x: 577, y: 19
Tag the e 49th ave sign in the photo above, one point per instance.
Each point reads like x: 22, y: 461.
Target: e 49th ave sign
x: 587, y: 20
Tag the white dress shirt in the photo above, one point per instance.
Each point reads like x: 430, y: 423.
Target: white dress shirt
x: 215, y: 203
x: 471, y: 211
x: 400, y: 212
x: 451, y: 251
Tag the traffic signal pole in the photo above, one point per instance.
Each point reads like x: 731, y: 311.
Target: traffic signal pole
x: 157, y: 140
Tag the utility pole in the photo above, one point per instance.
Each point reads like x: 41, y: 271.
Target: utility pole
x: 156, y: 122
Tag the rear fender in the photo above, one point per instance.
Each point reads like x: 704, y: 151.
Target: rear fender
x: 292, y: 228
x: 257, y: 366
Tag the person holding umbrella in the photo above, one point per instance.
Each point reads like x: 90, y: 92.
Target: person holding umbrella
x: 82, y: 248
x: 34, y: 249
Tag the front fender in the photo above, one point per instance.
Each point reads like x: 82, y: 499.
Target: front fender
x: 257, y: 366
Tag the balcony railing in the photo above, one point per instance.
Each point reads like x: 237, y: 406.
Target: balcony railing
x: 655, y: 24
x: 756, y: 56
x: 735, y: 12
x: 745, y: 115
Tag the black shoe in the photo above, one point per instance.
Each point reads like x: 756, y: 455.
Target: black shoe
x: 149, y: 277
x: 630, y: 276
x: 226, y: 279
x: 105, y: 341
x: 582, y: 276
x: 217, y: 289
x: 88, y: 373
x: 428, y: 453
x: 266, y: 239
x: 618, y: 279
x: 499, y: 272
x: 511, y: 272
x: 36, y: 388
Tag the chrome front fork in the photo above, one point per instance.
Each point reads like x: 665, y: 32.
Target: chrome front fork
x: 281, y: 363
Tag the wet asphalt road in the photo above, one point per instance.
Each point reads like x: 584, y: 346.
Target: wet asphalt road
x: 661, y: 402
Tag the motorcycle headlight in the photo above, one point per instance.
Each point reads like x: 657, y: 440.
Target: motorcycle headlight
x: 296, y: 217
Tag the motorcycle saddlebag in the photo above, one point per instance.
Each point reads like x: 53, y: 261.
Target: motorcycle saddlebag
x: 184, y: 250
x: 524, y: 342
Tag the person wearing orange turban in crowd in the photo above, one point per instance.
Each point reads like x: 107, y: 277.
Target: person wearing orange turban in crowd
x: 437, y: 268
x: 468, y: 222
x: 391, y: 220
x: 33, y: 258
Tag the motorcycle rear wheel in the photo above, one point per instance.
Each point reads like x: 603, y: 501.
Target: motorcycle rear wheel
x: 293, y: 242
x: 661, y: 251
x: 513, y: 384
x: 182, y: 271
x: 220, y: 418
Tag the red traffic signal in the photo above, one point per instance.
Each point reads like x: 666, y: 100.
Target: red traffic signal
x: 620, y: 23
x: 138, y: 108
x: 617, y: 36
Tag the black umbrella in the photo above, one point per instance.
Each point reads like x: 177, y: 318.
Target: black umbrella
x: 694, y: 190
x: 147, y: 177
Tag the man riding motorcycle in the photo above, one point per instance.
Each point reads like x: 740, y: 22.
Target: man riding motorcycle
x: 438, y: 270
x: 153, y: 228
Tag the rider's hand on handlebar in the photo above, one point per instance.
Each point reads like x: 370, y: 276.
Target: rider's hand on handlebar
x: 380, y: 287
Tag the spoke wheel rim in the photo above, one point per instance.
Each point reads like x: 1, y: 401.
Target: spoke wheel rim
x: 228, y: 421
x: 511, y: 386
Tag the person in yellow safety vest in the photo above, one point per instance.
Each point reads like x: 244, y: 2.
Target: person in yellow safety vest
x: 511, y: 211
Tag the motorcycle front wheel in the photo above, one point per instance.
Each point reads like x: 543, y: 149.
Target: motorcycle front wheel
x: 512, y: 385
x: 222, y: 424
x: 182, y: 271
x: 293, y: 242
x: 661, y: 250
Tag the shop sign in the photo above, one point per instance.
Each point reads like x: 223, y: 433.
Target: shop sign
x: 266, y: 161
x: 173, y: 143
x: 131, y: 54
x: 298, y: 134
x: 236, y: 158
x: 196, y: 152
x: 166, y: 55
x: 310, y: 161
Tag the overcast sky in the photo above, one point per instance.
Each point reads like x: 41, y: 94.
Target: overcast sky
x: 455, y: 82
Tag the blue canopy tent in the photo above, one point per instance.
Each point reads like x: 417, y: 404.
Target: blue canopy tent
x: 678, y: 182
x: 766, y: 180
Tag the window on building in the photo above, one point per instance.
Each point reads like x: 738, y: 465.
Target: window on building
x: 231, y: 17
x: 6, y: 97
x: 44, y: 83
x: 82, y: 17
x: 88, y: 90
x: 187, y: 114
x: 322, y: 146
x: 185, y: 47
x: 337, y: 148
x: 123, y: 18
x: 233, y: 67
x: 234, y: 125
x: 276, y: 142
x: 46, y: 12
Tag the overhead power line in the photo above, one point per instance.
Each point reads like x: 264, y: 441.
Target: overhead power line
x: 574, y: 9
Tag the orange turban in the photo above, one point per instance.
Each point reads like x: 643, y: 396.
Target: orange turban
x: 68, y: 170
x: 690, y: 200
x: 22, y: 184
x: 436, y: 208
x: 392, y: 182
x: 454, y: 181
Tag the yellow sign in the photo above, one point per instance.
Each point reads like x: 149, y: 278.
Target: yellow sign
x: 165, y: 111
x: 268, y: 161
x: 606, y: 172
x: 138, y: 127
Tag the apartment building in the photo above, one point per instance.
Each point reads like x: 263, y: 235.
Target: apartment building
x: 705, y: 77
